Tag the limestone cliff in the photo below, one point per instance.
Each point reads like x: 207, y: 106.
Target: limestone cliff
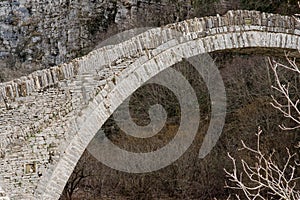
x: 43, y: 33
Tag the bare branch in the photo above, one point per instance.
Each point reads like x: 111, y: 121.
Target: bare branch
x: 265, y: 176
x: 290, y: 108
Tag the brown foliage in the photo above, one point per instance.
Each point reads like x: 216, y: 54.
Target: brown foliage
x: 189, y: 177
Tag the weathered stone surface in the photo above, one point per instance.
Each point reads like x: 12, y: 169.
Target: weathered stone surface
x: 48, y: 118
x: 47, y: 33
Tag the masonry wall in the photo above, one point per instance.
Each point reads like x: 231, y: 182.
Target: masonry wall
x: 39, y: 113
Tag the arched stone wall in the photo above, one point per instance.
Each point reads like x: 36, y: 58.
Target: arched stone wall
x: 99, y: 110
x: 108, y: 76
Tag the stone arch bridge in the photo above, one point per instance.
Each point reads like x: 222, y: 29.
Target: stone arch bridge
x: 47, y: 120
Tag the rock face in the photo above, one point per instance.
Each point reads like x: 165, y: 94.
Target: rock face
x: 43, y: 33
x: 51, y: 31
x: 37, y: 34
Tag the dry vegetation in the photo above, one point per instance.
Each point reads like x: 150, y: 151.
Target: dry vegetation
x: 247, y: 80
x: 268, y: 176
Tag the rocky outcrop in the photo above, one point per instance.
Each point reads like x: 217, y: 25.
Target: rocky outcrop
x: 44, y: 33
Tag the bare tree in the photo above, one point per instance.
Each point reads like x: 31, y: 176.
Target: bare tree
x: 265, y: 178
x: 290, y: 108
x: 72, y: 185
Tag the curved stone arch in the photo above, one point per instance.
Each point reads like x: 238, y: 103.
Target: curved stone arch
x: 99, y: 110
x: 235, y: 31
x: 232, y: 21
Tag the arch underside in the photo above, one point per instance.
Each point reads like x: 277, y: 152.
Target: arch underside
x: 132, y: 63
x: 272, y: 52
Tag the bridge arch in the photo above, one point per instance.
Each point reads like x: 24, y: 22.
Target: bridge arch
x: 145, y: 56
x: 100, y: 110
